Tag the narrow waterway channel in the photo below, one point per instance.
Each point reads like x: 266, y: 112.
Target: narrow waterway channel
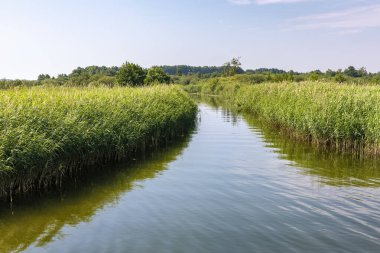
x: 232, y: 186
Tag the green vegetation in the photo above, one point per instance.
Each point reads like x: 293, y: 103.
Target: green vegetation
x: 326, y: 166
x: 185, y: 70
x: 156, y: 75
x: 264, y: 75
x: 232, y: 67
x: 46, y: 133
x: 38, y: 220
x: 131, y: 74
x: 345, y: 117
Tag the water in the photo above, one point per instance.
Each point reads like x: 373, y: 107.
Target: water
x: 233, y: 186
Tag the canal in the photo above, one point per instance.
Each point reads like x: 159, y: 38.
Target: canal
x: 232, y: 186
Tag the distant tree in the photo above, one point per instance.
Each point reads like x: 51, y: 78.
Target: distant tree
x: 330, y: 73
x: 232, y: 67
x: 17, y: 82
x: 315, y: 75
x: 266, y: 71
x: 352, y: 72
x: 130, y: 74
x: 179, y: 71
x: 62, y: 76
x: 376, y: 78
x: 189, y: 70
x: 340, y: 78
x: 156, y: 75
x: 79, y: 79
x: 95, y: 70
x: 104, y: 81
x: 362, y: 72
x: 42, y: 77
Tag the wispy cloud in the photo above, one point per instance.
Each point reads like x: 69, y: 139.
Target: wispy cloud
x: 263, y: 2
x: 241, y: 2
x: 345, y: 21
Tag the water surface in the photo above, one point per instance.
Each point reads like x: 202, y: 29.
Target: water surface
x: 233, y: 186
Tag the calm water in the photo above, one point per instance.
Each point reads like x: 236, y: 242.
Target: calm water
x: 233, y: 186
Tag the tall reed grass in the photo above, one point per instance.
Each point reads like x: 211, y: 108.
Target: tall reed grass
x: 346, y: 117
x: 46, y: 133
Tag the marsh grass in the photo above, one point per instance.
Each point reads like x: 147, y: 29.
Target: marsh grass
x: 343, y: 117
x: 49, y: 133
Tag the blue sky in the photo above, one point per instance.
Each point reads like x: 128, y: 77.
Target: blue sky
x: 53, y: 37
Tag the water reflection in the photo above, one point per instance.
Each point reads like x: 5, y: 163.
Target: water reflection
x: 326, y: 166
x: 236, y: 187
x: 39, y: 220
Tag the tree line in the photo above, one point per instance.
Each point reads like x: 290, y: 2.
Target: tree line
x: 261, y: 75
x: 131, y: 74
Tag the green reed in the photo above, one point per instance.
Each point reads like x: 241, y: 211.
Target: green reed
x: 46, y: 133
x: 346, y: 117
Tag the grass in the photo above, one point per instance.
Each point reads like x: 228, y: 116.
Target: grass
x: 345, y: 117
x: 47, y: 133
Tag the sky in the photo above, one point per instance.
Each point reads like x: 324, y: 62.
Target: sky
x: 56, y: 36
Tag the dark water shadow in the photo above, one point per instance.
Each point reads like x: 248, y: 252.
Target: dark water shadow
x: 37, y: 220
x: 329, y: 167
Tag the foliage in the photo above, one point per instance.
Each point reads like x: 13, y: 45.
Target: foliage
x: 232, y: 67
x: 340, y: 78
x: 265, y: 70
x: 189, y: 75
x: 352, y: 72
x: 44, y: 131
x: 6, y: 84
x: 104, y: 81
x: 180, y: 70
x: 156, y: 75
x: 131, y: 74
x: 96, y: 70
x: 343, y: 116
x: 42, y: 77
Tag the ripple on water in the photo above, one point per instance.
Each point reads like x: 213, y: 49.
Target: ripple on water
x: 235, y: 186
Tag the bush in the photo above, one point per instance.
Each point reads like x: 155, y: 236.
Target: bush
x: 131, y: 74
x: 156, y: 75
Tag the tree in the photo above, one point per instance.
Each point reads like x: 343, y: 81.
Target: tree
x: 362, y: 72
x: 130, y: 74
x: 330, y: 73
x: 42, y: 77
x: 179, y: 71
x: 156, y: 75
x: 376, y: 78
x: 104, y: 81
x: 79, y: 79
x: 352, y: 72
x: 232, y: 67
x: 340, y: 78
x: 314, y: 75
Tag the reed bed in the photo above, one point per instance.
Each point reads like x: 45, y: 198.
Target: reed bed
x: 47, y: 133
x: 345, y: 117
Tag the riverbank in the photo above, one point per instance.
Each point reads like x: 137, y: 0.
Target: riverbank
x: 49, y: 133
x: 342, y: 117
x: 231, y: 179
